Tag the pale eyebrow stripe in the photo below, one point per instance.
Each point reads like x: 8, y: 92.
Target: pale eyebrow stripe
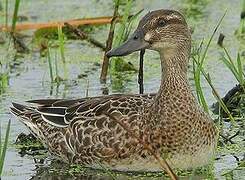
x: 172, y: 16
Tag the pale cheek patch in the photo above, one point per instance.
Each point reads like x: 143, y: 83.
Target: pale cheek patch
x: 147, y: 37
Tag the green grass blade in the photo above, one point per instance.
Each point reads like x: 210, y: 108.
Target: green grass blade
x: 240, y: 69
x: 200, y: 63
x: 61, y: 38
x: 56, y: 65
x: 230, y: 59
x: 216, y: 94
x: 229, y: 63
x: 231, y: 67
x: 197, y: 78
x: 121, y: 32
x: 211, y: 38
x: 61, y: 43
x: 16, y: 9
x: 2, y: 158
x: 50, y: 66
x: 199, y: 90
x: 6, y: 12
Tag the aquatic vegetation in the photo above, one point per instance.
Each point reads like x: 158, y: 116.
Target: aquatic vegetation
x: 51, y: 33
x: 125, y: 28
x: 198, y: 57
x: 30, y: 145
x: 194, y: 8
x: 15, y: 15
x: 53, y: 67
x: 50, y: 66
x: 3, y: 146
x: 1, y: 6
x: 235, y: 98
x: 6, y: 12
x: 61, y: 39
x: 4, y: 81
x: 240, y: 32
x: 4, y: 63
x: 236, y: 69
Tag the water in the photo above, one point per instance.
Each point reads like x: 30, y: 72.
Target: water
x: 31, y: 79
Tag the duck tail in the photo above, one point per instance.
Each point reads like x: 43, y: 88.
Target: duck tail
x: 18, y: 109
x: 28, y: 116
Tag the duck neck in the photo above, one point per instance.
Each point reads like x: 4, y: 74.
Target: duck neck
x: 174, y: 95
x: 174, y: 63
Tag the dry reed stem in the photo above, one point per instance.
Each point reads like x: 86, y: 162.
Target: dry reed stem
x: 73, y: 22
x: 109, y: 41
x: 163, y: 163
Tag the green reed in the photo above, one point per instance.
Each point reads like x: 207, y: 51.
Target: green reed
x: 116, y: 63
x: 4, y: 64
x: 4, y: 80
x: 61, y: 40
x: 125, y: 28
x: 122, y: 31
x: 197, y: 77
x: 50, y: 65
x: 240, y: 32
x: 53, y: 65
x: 236, y: 69
x: 199, y: 58
x: 214, y: 91
x: 56, y: 66
x: 198, y: 61
x: 15, y: 15
x: 3, y: 147
x: 6, y: 12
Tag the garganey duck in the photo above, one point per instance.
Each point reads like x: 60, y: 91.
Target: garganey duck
x: 83, y: 131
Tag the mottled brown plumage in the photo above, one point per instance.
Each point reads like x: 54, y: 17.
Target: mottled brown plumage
x: 81, y: 131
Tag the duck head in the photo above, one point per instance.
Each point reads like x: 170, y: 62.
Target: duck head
x: 161, y: 30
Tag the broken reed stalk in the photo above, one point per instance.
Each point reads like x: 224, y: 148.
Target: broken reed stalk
x: 221, y: 39
x: 109, y: 41
x: 141, y: 72
x: 73, y: 22
x: 163, y: 163
x: 82, y: 35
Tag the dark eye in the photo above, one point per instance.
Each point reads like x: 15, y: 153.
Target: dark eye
x: 161, y: 22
